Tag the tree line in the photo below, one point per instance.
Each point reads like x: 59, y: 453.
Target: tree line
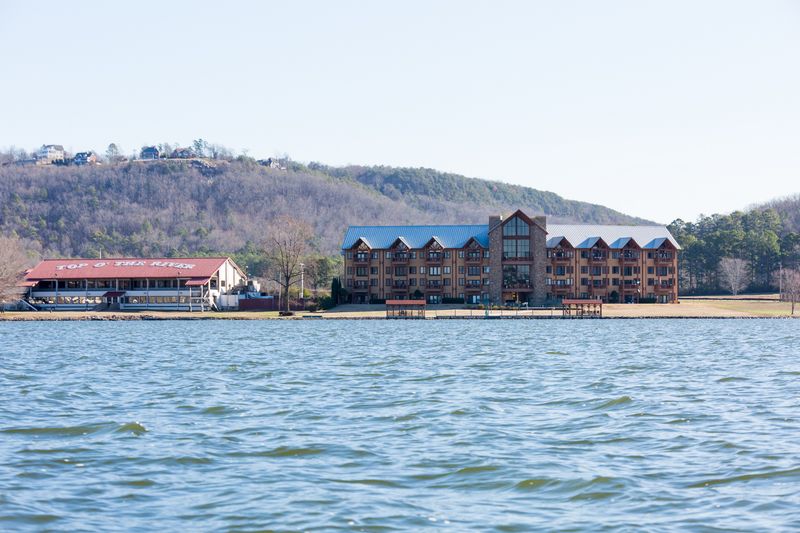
x: 740, y: 251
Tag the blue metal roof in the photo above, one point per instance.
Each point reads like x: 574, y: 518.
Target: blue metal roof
x: 381, y: 237
x: 579, y: 235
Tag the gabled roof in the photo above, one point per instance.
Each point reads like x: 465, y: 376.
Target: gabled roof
x: 578, y: 233
x: 588, y: 242
x: 435, y: 239
x: 361, y: 239
x: 128, y: 267
x: 400, y: 239
x: 657, y: 243
x: 554, y: 241
x: 622, y: 242
x: 382, y: 237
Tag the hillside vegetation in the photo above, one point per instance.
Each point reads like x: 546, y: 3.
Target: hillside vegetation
x: 186, y: 208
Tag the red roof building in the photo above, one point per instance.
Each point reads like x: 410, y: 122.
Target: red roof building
x: 161, y: 283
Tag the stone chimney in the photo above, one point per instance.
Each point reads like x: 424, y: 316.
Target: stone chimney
x: 494, y: 220
x: 542, y: 221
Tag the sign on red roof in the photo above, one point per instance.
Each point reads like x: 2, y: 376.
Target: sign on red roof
x: 126, y: 267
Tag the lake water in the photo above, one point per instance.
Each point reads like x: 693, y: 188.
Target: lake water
x: 381, y: 425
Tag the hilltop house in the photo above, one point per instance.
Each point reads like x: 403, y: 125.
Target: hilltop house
x: 49, y: 154
x: 84, y: 158
x: 182, y: 153
x: 513, y: 260
x: 149, y: 152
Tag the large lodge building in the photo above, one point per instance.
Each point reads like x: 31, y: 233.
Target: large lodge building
x: 169, y: 284
x: 517, y: 259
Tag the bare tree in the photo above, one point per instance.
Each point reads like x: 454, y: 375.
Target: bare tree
x: 287, y: 244
x: 13, y: 262
x: 790, y: 285
x: 733, y: 274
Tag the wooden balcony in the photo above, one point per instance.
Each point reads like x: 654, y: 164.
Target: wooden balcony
x: 361, y: 259
x: 660, y: 287
x: 435, y: 259
x: 400, y: 258
x: 474, y: 258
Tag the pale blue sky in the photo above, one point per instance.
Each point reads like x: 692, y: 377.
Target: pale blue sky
x: 658, y: 109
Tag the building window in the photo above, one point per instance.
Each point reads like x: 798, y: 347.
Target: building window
x: 388, y: 271
x: 361, y: 271
x: 474, y: 271
x: 447, y: 254
x: 412, y: 282
x: 422, y: 270
x: 412, y: 270
x: 486, y: 254
x: 461, y: 269
x: 516, y: 276
x: 373, y: 282
x: 446, y: 270
x: 461, y: 254
x: 435, y: 271
x: 460, y: 282
x: 516, y: 227
x: 516, y: 248
x: 486, y: 270
x: 388, y: 255
x: 447, y: 282
x: 373, y: 271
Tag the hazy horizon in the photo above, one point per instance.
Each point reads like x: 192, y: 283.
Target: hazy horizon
x: 658, y: 111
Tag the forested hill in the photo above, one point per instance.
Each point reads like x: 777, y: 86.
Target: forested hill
x: 194, y: 207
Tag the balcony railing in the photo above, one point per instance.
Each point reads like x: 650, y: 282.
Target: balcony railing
x: 433, y: 258
x: 474, y: 258
x: 517, y: 285
x: 361, y: 258
x: 560, y: 256
x: 597, y: 258
x: 663, y: 258
x: 400, y: 258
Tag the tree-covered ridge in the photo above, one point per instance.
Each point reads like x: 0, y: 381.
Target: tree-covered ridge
x: 766, y: 237
x: 421, y: 186
x: 171, y: 207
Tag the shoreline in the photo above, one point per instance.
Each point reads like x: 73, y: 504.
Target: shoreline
x: 691, y: 308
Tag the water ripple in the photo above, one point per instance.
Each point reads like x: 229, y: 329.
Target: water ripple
x: 656, y: 425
